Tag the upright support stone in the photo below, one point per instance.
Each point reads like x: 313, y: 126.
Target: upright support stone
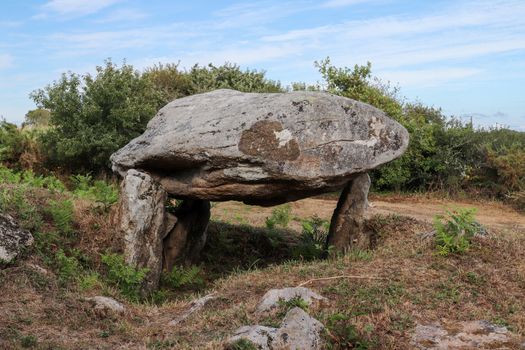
x: 187, y: 238
x: 143, y: 222
x: 347, y: 226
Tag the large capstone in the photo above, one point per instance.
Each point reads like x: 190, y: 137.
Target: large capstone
x: 261, y: 148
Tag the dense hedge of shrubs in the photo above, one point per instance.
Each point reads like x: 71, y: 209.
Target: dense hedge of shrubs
x: 82, y: 119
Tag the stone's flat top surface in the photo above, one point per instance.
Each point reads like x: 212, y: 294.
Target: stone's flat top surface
x: 204, y: 146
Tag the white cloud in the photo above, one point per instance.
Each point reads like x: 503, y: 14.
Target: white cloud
x: 73, y: 8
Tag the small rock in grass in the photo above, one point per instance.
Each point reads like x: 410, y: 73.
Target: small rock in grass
x: 462, y: 335
x: 105, y: 304
x: 260, y: 336
x: 13, y: 239
x: 298, y: 331
x: 272, y: 297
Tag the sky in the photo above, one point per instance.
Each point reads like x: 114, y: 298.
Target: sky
x: 466, y: 57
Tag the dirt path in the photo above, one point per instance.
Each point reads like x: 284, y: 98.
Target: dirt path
x: 492, y: 214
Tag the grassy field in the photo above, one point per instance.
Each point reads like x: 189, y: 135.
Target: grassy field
x: 375, y: 297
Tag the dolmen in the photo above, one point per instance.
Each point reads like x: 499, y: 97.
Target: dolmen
x: 259, y: 148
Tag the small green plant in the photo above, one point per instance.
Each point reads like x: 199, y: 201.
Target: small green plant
x: 67, y: 267
x: 89, y: 281
x: 28, y: 341
x: 312, y: 240
x: 127, y: 278
x: 62, y: 213
x: 454, y: 230
x: 103, y: 193
x: 281, y: 216
x: 341, y: 334
x: 183, y: 277
x: 294, y: 302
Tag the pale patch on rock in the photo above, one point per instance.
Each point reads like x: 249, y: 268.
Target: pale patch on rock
x: 272, y: 297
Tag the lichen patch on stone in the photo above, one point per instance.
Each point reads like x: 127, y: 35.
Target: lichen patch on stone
x: 268, y: 140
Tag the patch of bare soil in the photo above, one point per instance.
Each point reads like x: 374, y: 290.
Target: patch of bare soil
x: 491, y: 214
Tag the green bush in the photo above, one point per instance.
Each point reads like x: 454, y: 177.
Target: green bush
x: 93, y: 116
x: 126, y: 278
x: 454, y: 230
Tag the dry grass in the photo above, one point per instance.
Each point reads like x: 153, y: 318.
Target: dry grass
x: 412, y: 284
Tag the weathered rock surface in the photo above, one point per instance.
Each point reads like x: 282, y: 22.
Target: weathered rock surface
x: 462, y: 335
x: 13, y: 239
x: 298, y: 331
x: 195, y: 306
x: 273, y: 296
x: 347, y: 226
x: 105, y: 304
x: 262, y: 149
x: 260, y: 336
x: 143, y: 221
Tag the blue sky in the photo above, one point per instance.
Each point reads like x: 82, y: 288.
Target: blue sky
x: 467, y: 57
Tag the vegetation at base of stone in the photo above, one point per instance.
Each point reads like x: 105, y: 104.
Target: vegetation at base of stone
x: 125, y: 277
x: 287, y: 305
x: 183, y: 277
x: 242, y: 344
x: 454, y: 230
x: 102, y: 192
x: 312, y: 240
x: 342, y: 334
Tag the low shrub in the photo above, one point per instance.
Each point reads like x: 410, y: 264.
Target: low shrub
x: 281, y: 216
x: 183, y: 277
x: 454, y: 230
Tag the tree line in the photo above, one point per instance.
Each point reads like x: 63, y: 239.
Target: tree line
x: 82, y: 119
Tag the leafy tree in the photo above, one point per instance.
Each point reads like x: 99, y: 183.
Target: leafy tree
x: 230, y: 76
x: 37, y: 118
x: 93, y: 116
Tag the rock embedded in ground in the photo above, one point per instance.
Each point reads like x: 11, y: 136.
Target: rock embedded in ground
x: 13, y: 239
x: 261, y: 148
x: 272, y: 298
x: 462, y: 335
x: 260, y: 336
x: 298, y: 331
x: 104, y: 304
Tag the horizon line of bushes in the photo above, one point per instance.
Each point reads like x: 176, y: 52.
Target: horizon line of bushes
x: 82, y: 119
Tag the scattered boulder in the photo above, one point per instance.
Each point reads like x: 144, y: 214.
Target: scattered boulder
x: 260, y: 336
x: 462, y: 335
x: 13, y: 239
x: 261, y: 148
x: 298, y: 331
x: 272, y: 297
x: 106, y: 304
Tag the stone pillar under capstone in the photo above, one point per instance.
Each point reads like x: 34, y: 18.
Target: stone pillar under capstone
x: 347, y: 227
